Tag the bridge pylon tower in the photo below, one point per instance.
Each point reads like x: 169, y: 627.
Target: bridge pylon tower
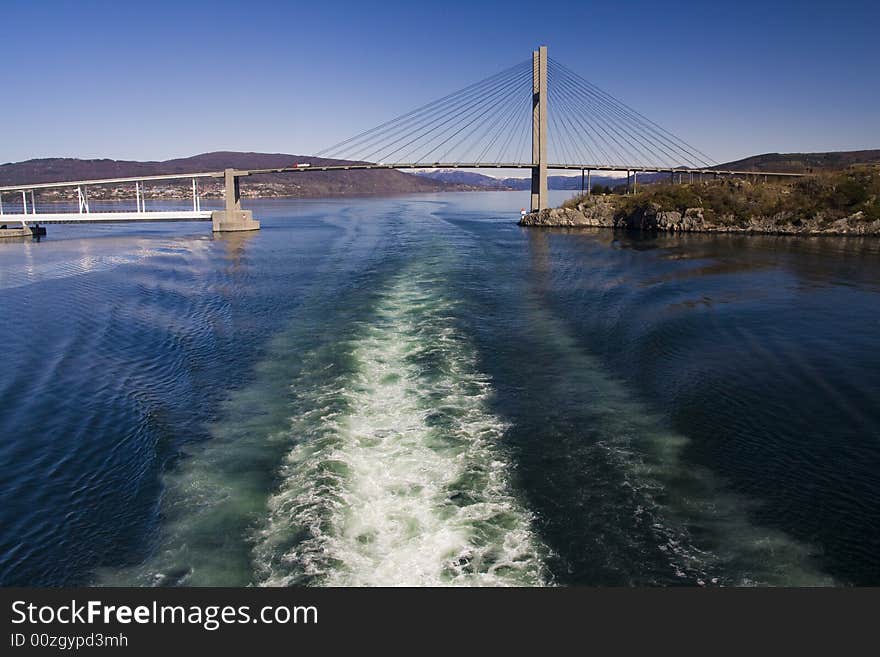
x: 539, y: 129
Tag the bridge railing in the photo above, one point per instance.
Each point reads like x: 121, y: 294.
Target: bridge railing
x: 27, y: 210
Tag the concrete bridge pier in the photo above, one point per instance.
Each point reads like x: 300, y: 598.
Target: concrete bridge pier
x: 232, y: 218
x: 23, y: 229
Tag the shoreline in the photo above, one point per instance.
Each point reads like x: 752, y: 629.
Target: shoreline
x: 693, y: 220
x: 838, y: 203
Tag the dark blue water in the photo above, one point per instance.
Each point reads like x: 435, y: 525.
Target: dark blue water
x: 415, y: 390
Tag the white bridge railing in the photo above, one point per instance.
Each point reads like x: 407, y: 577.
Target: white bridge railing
x: 85, y: 213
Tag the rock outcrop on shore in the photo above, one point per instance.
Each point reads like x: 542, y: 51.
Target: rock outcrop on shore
x: 603, y: 213
x: 842, y: 203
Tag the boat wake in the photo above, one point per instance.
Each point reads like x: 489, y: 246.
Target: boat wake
x: 369, y: 457
x: 398, y: 476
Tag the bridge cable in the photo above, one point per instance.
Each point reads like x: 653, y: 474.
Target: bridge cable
x: 368, y: 139
x: 598, y: 128
x: 475, y: 109
x: 504, y: 129
x: 336, y: 147
x: 625, y: 112
x: 634, y: 116
x: 630, y: 133
x: 626, y: 137
x: 379, y: 141
x: 491, y: 119
x: 571, y: 135
x: 586, y: 126
x: 473, y: 105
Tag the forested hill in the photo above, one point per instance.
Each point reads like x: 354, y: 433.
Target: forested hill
x: 803, y: 162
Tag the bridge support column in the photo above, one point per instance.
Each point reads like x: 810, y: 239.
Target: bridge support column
x: 539, y: 130
x: 232, y: 218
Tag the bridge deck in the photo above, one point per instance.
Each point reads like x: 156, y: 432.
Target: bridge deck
x: 515, y: 165
x: 85, y: 216
x: 398, y: 165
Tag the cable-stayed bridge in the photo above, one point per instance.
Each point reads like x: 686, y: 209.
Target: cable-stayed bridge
x: 537, y: 115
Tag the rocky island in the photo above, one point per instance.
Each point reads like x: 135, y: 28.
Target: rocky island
x: 839, y: 203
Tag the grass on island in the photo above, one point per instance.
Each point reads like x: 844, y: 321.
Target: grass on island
x: 834, y: 195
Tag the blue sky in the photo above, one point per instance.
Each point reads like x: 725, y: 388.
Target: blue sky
x: 156, y: 80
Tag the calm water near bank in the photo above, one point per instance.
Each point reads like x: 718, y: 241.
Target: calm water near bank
x: 415, y: 390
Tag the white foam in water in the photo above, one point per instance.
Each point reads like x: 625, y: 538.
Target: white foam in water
x: 408, y: 486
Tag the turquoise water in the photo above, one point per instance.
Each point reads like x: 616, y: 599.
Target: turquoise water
x: 416, y: 391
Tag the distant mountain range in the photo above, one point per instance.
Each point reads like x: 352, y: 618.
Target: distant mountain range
x: 357, y: 182
x: 458, y: 176
x: 462, y: 177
